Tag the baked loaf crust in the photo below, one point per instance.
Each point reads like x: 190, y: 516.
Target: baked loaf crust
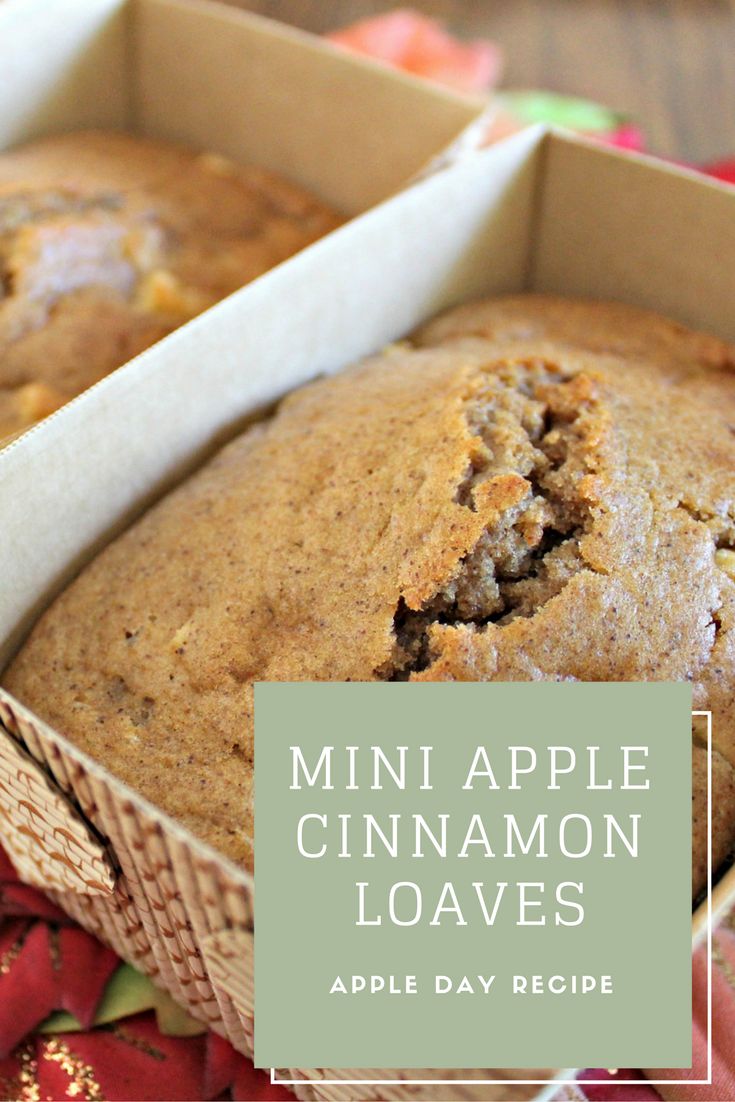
x: 533, y: 488
x: 108, y: 242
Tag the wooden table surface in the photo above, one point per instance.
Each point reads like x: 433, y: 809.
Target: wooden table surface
x: 669, y: 63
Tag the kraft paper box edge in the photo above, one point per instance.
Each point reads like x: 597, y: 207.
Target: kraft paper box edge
x: 218, y: 78
x: 498, y: 223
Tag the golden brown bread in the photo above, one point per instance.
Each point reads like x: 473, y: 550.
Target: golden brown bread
x: 108, y: 242
x: 723, y: 813
x: 534, y: 489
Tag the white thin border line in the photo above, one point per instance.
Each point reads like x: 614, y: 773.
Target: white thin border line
x: 708, y: 714
x: 572, y: 1082
x: 491, y: 1082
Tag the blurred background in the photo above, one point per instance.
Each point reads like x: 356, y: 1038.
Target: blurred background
x: 668, y: 64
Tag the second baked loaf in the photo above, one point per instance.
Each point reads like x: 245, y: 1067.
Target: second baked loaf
x: 108, y: 242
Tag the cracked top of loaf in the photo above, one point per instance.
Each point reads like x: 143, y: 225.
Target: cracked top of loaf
x: 108, y: 242
x: 530, y: 488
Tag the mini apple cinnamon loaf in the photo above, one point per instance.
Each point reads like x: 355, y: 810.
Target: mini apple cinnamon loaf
x: 108, y: 242
x: 532, y: 488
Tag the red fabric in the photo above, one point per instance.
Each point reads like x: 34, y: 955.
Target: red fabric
x: 84, y: 967
x: 48, y: 963
x: 45, y: 966
x: 221, y: 1066
x: 722, y: 1088
x: 66, y: 968
x: 253, y: 1086
x: 723, y: 1026
x: 129, y: 1062
x: 627, y: 136
x: 132, y: 1060
x: 28, y: 988
x: 616, y: 1092
x: 722, y: 170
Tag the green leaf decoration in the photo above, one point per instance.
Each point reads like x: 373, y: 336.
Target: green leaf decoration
x: 173, y: 1021
x: 129, y: 992
x: 548, y: 107
x: 59, y: 1022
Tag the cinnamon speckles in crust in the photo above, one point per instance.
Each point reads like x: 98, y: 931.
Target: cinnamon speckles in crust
x: 532, y: 488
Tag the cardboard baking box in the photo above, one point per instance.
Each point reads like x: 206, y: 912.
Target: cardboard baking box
x: 219, y: 79
x: 540, y: 211
x: 228, y: 84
